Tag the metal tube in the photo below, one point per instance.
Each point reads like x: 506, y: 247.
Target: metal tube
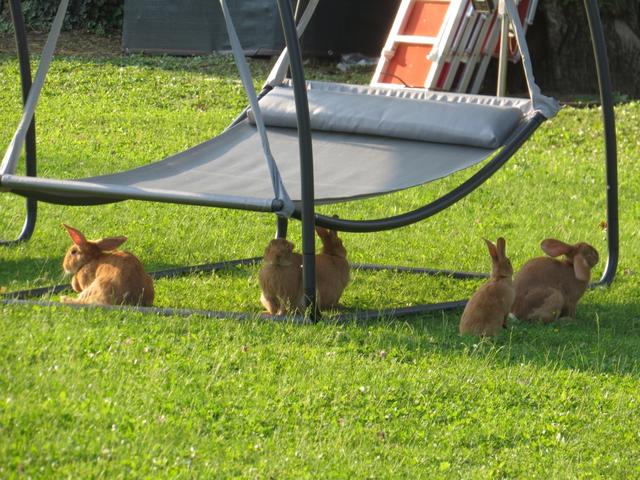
x: 168, y: 273
x: 307, y: 214
x: 363, y: 315
x: 56, y: 190
x: 282, y: 225
x: 229, y: 264
x: 179, y: 312
x: 242, y: 115
x: 279, y: 70
x: 30, y: 140
x: 504, y: 42
x: 433, y: 272
x: 12, y: 154
x: 608, y: 119
x: 361, y: 226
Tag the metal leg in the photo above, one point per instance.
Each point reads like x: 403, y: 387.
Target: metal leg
x: 282, y: 227
x: 360, y: 316
x: 306, y: 157
x: 30, y: 142
x: 608, y: 119
x: 504, y: 41
x: 29, y: 224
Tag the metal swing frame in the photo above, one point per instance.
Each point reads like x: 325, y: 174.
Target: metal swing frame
x: 305, y: 212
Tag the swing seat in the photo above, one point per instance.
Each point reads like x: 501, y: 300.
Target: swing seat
x: 367, y: 141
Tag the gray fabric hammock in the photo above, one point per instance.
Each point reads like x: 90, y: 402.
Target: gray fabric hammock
x: 366, y: 141
x: 361, y: 148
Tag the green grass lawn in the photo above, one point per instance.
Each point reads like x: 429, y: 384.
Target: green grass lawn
x: 89, y: 393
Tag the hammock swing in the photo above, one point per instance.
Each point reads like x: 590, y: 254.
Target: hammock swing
x: 367, y: 141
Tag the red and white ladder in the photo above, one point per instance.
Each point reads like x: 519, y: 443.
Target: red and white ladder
x: 444, y: 44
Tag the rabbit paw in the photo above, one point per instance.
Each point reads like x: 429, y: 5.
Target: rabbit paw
x: 67, y: 299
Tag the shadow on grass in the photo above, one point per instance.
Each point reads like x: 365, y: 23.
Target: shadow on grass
x: 32, y: 270
x: 603, y: 339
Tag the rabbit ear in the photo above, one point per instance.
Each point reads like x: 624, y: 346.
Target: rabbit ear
x: 501, y: 245
x: 110, y: 243
x: 555, y: 248
x: 492, y: 249
x: 581, y: 268
x: 76, y: 236
x: 323, y: 232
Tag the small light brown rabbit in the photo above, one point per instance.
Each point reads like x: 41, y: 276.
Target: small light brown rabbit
x: 487, y: 310
x: 332, y: 269
x: 280, y: 278
x: 104, y: 275
x: 548, y: 288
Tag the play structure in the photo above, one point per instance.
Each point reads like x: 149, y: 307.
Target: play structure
x: 367, y: 141
x: 447, y: 44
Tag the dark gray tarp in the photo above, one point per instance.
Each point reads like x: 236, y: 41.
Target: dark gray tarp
x: 197, y: 27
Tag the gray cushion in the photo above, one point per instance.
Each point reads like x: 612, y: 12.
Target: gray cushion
x: 458, y: 123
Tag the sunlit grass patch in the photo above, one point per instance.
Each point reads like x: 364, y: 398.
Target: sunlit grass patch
x: 89, y: 393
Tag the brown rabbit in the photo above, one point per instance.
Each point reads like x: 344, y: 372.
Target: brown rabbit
x: 332, y: 269
x: 280, y: 278
x: 547, y: 288
x: 487, y: 310
x: 104, y: 275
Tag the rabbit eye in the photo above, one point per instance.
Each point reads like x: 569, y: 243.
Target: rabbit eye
x: 74, y: 251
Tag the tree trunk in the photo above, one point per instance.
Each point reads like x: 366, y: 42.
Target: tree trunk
x: 570, y: 64
x: 562, y: 53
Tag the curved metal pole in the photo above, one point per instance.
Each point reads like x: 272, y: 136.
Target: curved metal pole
x: 307, y: 213
x: 608, y: 119
x: 282, y: 225
x: 30, y: 141
x: 361, y: 226
x: 606, y: 98
x: 502, y: 58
